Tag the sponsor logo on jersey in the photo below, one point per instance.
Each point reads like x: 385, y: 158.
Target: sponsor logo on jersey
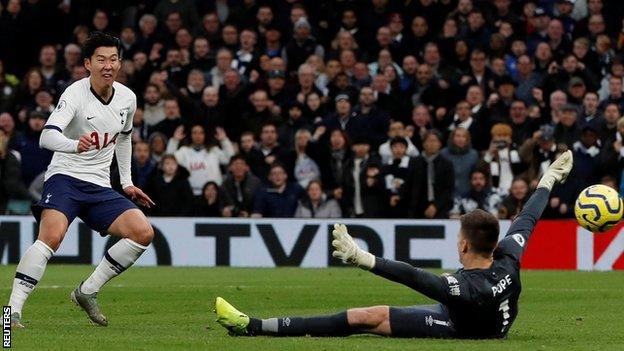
x: 429, y: 320
x: 90, y: 118
x: 286, y: 322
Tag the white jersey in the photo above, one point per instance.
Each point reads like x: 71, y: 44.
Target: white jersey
x: 81, y: 111
x: 203, y: 165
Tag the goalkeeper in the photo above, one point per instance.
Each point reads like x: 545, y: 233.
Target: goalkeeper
x: 480, y: 300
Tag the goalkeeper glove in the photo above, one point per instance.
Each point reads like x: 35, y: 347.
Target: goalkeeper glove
x: 557, y: 172
x: 348, y: 251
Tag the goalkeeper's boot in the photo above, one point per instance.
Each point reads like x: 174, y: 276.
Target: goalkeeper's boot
x: 88, y: 302
x: 230, y: 318
x: 16, y: 321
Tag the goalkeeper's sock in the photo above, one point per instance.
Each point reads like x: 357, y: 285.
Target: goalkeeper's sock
x: 332, y: 325
x: 28, y: 273
x: 116, y: 260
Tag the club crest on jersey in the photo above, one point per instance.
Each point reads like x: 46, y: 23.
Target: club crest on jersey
x: 47, y: 200
x: 61, y: 105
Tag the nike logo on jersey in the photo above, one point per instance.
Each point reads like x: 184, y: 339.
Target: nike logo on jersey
x: 90, y: 118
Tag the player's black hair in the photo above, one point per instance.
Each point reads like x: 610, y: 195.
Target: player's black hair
x: 99, y: 39
x: 481, y: 230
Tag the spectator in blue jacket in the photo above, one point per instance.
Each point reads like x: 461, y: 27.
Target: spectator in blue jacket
x: 280, y: 199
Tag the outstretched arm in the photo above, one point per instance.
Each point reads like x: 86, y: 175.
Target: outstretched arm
x: 429, y: 284
x: 520, y: 230
x: 426, y: 283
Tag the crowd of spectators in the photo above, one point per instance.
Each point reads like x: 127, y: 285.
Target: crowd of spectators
x: 343, y: 108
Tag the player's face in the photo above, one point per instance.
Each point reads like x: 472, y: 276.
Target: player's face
x: 104, y: 65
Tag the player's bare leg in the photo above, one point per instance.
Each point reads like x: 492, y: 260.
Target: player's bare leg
x: 31, y: 267
x: 137, y: 234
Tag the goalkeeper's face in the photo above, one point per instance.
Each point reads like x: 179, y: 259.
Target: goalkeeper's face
x: 104, y: 65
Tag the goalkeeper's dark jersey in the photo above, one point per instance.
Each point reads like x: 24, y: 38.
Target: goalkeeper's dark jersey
x: 481, y: 303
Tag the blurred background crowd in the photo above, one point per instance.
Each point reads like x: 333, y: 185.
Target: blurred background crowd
x: 319, y: 108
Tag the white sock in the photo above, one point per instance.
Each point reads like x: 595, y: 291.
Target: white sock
x: 116, y: 260
x: 28, y: 273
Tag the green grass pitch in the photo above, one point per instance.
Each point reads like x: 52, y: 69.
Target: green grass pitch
x: 160, y: 308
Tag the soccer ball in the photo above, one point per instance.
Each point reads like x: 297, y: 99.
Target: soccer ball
x: 598, y: 208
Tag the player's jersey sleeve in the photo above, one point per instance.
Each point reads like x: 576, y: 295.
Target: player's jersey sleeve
x: 520, y: 230
x: 123, y: 149
x: 52, y: 137
x: 445, y: 288
x: 127, y: 129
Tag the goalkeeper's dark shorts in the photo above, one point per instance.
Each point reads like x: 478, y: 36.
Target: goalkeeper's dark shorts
x: 427, y: 321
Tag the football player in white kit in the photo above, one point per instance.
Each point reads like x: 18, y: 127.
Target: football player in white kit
x: 91, y: 123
